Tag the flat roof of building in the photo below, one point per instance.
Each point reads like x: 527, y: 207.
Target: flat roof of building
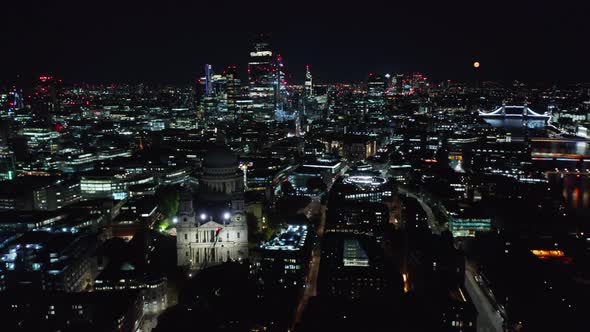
x: 290, y: 238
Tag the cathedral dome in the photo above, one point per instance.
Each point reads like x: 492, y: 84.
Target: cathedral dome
x: 220, y: 157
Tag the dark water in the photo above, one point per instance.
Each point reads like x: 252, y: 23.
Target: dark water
x: 581, y: 148
x: 518, y: 126
x: 575, y: 190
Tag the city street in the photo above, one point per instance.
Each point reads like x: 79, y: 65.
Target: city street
x: 488, y: 319
x: 432, y: 223
x: 314, y: 267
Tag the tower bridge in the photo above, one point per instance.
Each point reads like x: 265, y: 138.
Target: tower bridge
x: 515, y: 111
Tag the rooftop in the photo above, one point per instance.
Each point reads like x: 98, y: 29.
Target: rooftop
x: 365, y: 180
x: 290, y: 238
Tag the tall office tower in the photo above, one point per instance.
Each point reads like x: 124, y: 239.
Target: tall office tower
x: 45, y: 99
x: 376, y: 87
x: 236, y: 96
x: 262, y: 76
x: 7, y: 165
x: 308, y: 82
x: 208, y: 83
x: 281, y: 84
x: 10, y: 101
x: 211, y: 95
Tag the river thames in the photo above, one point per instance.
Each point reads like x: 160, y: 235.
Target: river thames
x: 574, y: 186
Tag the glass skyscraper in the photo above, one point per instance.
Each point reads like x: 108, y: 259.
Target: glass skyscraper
x: 262, y: 76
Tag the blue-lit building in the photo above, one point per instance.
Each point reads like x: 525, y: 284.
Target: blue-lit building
x: 466, y: 221
x: 49, y: 261
x: 468, y: 227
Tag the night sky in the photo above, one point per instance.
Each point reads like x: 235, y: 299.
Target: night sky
x: 169, y: 41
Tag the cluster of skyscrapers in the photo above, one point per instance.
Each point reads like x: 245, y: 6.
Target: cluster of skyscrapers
x: 245, y: 201
x: 262, y: 96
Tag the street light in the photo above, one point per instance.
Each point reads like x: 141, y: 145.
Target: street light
x: 226, y: 215
x: 175, y: 220
x: 203, y: 216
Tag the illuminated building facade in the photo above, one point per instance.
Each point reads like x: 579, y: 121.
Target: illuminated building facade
x: 376, y: 86
x: 201, y: 241
x: 211, y: 95
x: 235, y: 92
x: 308, y: 82
x: 41, y: 139
x: 50, y: 261
x: 358, y: 147
x: 217, y: 231
x: 7, y: 165
x: 113, y: 185
x: 467, y: 227
x: 56, y: 195
x: 222, y: 95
